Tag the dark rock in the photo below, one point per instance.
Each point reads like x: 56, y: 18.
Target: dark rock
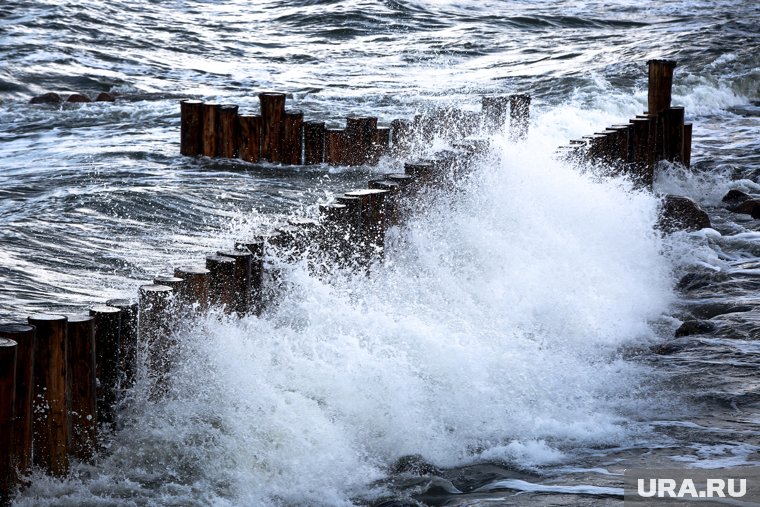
x: 414, y: 464
x: 47, y: 98
x: 692, y: 327
x: 750, y: 207
x: 735, y: 197
x: 680, y: 213
x: 78, y: 97
x: 105, y: 97
x: 666, y: 349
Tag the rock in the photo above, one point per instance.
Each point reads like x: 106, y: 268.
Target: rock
x: 47, y: 98
x: 750, y: 207
x: 414, y: 464
x: 681, y: 213
x: 666, y: 349
x: 735, y: 197
x: 105, y: 97
x: 78, y: 97
x: 692, y: 327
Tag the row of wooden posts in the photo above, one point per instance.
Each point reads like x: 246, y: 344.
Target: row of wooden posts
x: 61, y: 376
x: 635, y: 148
x: 280, y: 135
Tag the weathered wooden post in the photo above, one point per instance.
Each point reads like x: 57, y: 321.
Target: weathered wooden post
x: 494, y: 112
x: 50, y: 424
x: 107, y: 346
x: 272, y: 118
x: 243, y: 260
x: 174, y: 282
x: 372, y: 218
x: 155, y: 333
x: 250, y: 127
x: 660, y: 85
x: 227, y: 131
x: 360, y: 132
x: 83, y: 415
x: 195, y: 291
x: 380, y: 144
x: 292, y: 139
x: 191, y: 113
x: 686, y: 154
x: 392, y: 212
x: 642, y: 149
x: 314, y: 142
x: 401, y: 136
x: 335, y: 146
x: 210, y: 118
x: 672, y: 137
x: 256, y: 247
x: 24, y: 336
x: 420, y: 171
x: 221, y: 282
x: 332, y: 240
x: 519, y: 114
x: 7, y: 407
x: 128, y: 339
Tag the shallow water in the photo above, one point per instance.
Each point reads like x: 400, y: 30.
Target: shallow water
x: 519, y: 335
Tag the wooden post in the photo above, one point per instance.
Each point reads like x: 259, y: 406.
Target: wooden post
x: 191, y: 112
x: 380, y: 144
x: 332, y: 241
x: 256, y: 247
x: 221, y: 282
x: 642, y: 150
x: 195, y: 292
x: 672, y: 135
x: 128, y: 339
x: 272, y: 117
x: 50, y: 424
x: 210, y: 121
x: 292, y: 138
x: 7, y: 407
x: 372, y: 217
x: 360, y: 131
x: 155, y: 333
x: 24, y: 336
x: 392, y: 212
x: 519, y: 114
x: 227, y: 131
x: 401, y: 136
x: 686, y: 154
x: 107, y: 346
x: 250, y: 137
x: 335, y: 141
x: 495, y: 111
x: 83, y: 415
x: 660, y: 85
x: 419, y: 170
x: 243, y: 259
x: 314, y: 142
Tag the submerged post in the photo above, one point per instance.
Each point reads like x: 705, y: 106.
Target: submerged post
x: 7, y: 402
x: 107, y: 345
x: 272, y: 117
x: 127, y: 340
x: 50, y: 422
x: 292, y: 137
x: 24, y: 336
x: 227, y: 131
x: 519, y: 114
x: 83, y: 417
x: 210, y: 118
x: 250, y: 137
x: 660, y: 85
x: 155, y: 333
x: 191, y: 112
x: 314, y: 142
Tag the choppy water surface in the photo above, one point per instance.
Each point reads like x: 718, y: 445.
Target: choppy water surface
x: 518, y: 337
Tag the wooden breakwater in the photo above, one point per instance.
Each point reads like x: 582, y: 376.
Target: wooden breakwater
x: 635, y: 148
x: 61, y: 376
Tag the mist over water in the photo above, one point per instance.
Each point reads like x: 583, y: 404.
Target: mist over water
x: 510, y: 325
